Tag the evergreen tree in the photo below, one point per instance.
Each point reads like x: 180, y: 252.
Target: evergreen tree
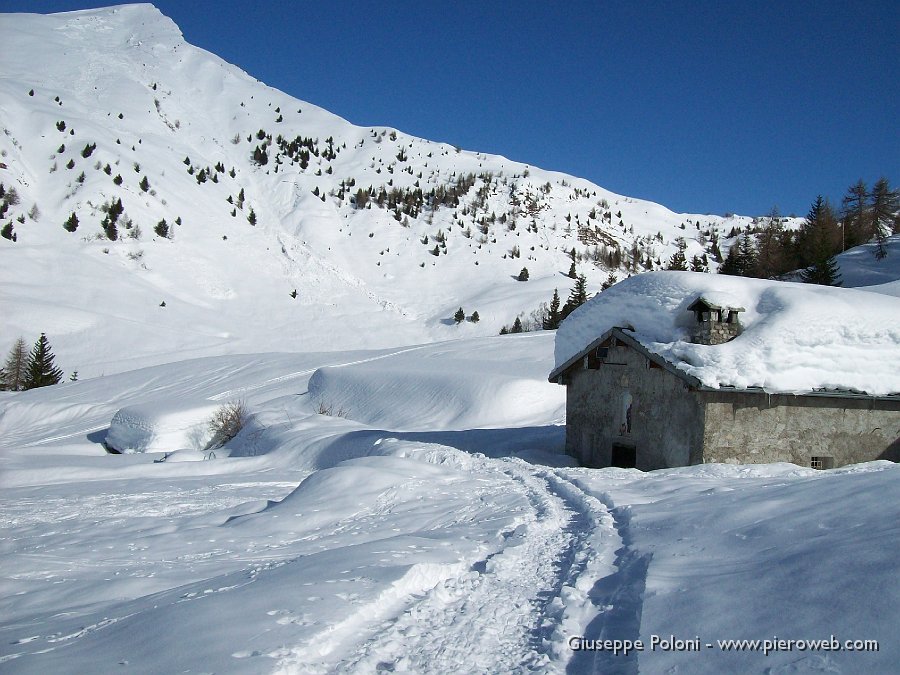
x: 610, y: 281
x: 475, y: 317
x: 72, y: 223
x: 460, y: 315
x: 252, y: 217
x: 856, y: 221
x: 553, y: 318
x: 523, y: 275
x: 577, y: 297
x: 15, y: 367
x: 517, y: 326
x: 824, y: 272
x: 884, y: 205
x: 731, y: 264
x: 145, y: 184
x: 819, y: 237
x: 698, y: 264
x: 7, y: 232
x: 771, y: 258
x: 573, y: 274
x: 678, y: 261
x: 41, y: 372
x: 747, y: 255
x: 162, y: 229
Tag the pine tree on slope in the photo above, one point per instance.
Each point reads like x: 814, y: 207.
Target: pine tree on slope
x: 577, y: 297
x: 41, y: 371
x: 553, y: 319
x: 885, y: 203
x: 823, y: 272
x: 15, y: 367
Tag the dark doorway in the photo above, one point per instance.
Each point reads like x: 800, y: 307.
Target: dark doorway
x: 623, y: 456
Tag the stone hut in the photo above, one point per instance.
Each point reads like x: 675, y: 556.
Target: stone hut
x: 628, y: 405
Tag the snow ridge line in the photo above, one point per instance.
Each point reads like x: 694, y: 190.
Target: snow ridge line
x: 281, y: 378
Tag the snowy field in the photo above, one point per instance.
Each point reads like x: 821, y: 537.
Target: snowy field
x: 434, y: 528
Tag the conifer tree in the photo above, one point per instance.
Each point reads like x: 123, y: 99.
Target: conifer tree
x: 577, y: 297
x: 771, y: 256
x: 856, y: 221
x: 460, y: 315
x: 41, y: 371
x: 517, y: 326
x: 678, y: 261
x: 145, y: 184
x: 72, y: 223
x: 697, y: 264
x: 475, y: 317
x: 523, y: 275
x: 819, y: 237
x: 610, y: 281
x: 731, y: 265
x: 15, y: 367
x: 573, y: 273
x: 747, y: 255
x: 553, y: 318
x: 824, y: 272
x: 884, y: 205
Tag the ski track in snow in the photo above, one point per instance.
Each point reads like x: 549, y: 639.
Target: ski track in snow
x: 500, y: 613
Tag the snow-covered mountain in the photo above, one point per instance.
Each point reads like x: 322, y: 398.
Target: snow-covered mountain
x: 221, y: 215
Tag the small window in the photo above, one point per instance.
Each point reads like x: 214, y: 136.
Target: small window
x: 822, y: 462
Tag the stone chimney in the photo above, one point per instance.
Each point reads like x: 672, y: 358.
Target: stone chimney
x: 717, y: 320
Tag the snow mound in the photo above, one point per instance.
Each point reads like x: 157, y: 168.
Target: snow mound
x: 796, y: 337
x: 160, y: 428
x: 415, y: 390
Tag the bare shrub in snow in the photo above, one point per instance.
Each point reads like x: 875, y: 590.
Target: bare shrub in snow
x: 226, y: 422
x: 328, y: 408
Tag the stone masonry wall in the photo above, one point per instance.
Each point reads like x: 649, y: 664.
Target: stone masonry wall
x: 666, y: 420
x: 760, y: 428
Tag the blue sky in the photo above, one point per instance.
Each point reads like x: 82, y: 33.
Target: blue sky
x: 705, y: 107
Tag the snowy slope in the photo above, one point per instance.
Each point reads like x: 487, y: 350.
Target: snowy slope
x: 121, y: 86
x: 325, y: 544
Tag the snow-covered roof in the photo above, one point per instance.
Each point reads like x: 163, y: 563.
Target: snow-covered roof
x: 796, y: 337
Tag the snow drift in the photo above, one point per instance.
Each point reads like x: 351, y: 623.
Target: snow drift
x: 494, y: 381
x: 160, y: 428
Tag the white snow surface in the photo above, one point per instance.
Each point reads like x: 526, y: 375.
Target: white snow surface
x: 796, y: 337
x: 325, y: 544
